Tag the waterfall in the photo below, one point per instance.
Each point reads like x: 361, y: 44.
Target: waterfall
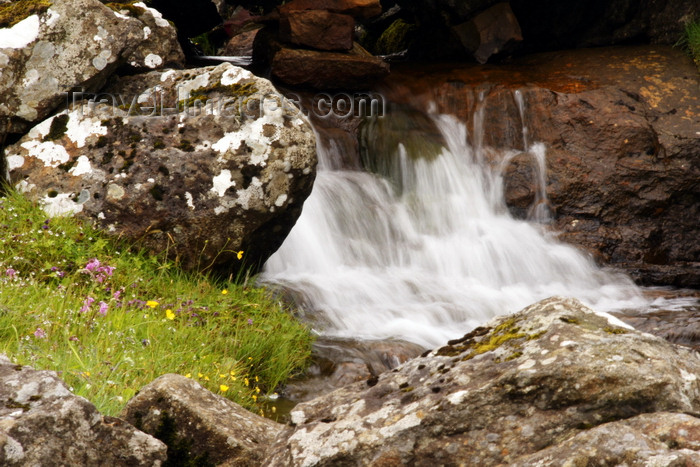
x: 423, y: 247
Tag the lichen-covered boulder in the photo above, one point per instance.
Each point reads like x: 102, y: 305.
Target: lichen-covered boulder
x: 200, y: 428
x: 64, y: 45
x: 160, y: 48
x: 201, y: 163
x: 43, y: 423
x: 519, y: 385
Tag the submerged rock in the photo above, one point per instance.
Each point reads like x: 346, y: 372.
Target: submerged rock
x: 199, y: 427
x: 200, y: 163
x: 43, y: 423
x: 538, y: 381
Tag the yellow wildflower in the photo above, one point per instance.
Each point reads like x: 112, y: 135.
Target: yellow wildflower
x: 222, y: 375
x: 152, y: 303
x: 224, y: 292
x: 274, y: 409
x: 255, y: 398
x: 199, y: 375
x: 169, y: 314
x: 223, y: 388
x: 206, y: 378
x: 239, y: 255
x: 257, y: 389
x: 188, y: 375
x: 246, y: 382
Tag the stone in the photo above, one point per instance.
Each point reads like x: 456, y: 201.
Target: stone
x: 517, y: 386
x: 43, y: 423
x: 160, y: 48
x: 360, y: 9
x: 318, y: 29
x: 199, y: 427
x: 241, y: 44
x: 328, y: 70
x: 650, y: 439
x: 201, y: 163
x: 492, y: 31
x: 60, y: 52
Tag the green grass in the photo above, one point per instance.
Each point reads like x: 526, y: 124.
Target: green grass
x: 108, y: 332
x: 691, y: 40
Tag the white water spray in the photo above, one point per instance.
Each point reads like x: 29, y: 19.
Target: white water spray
x: 430, y: 253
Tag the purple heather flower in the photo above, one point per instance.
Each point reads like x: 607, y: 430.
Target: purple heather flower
x: 103, y: 308
x: 117, y: 294
x: 40, y: 333
x: 250, y: 321
x: 86, y: 304
x: 93, y: 264
x: 10, y: 272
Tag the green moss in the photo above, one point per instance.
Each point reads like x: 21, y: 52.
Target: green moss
x: 15, y: 11
x: 612, y: 330
x: 395, y: 38
x: 202, y: 94
x: 513, y: 356
x: 58, y: 128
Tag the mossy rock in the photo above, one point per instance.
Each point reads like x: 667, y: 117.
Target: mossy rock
x: 13, y: 12
x: 397, y: 37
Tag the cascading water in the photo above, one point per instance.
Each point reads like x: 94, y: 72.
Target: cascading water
x: 425, y: 249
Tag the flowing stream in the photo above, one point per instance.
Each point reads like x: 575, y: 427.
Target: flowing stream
x: 423, y: 247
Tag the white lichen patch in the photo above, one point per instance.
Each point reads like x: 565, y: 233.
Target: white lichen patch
x: 102, y: 59
x: 409, y: 421
x: 82, y: 167
x: 51, y: 17
x: 222, y: 182
x: 51, y: 154
x: 14, y: 162
x: 458, y: 397
x: 115, y: 192
x: 80, y: 128
x: 297, y: 417
x: 60, y: 205
x: 234, y: 75
x: 527, y: 365
x: 156, y: 14
x: 21, y: 34
x: 281, y: 199
x: 251, y: 194
x: 153, y: 60
x: 146, y: 32
x: 167, y: 75
x: 189, y: 199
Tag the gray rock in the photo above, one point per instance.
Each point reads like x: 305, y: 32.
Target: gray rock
x: 200, y: 163
x: 46, y: 55
x: 660, y: 439
x: 160, y: 48
x: 518, y: 385
x: 199, y: 425
x: 43, y: 423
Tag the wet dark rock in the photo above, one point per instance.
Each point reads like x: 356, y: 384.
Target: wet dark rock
x: 327, y: 70
x: 318, y: 29
x: 199, y: 427
x: 241, y: 44
x: 550, y: 381
x: 43, y: 423
x: 201, y: 163
x: 491, y: 32
x: 361, y: 9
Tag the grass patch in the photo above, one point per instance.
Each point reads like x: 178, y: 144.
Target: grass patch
x: 691, y: 40
x: 109, y: 320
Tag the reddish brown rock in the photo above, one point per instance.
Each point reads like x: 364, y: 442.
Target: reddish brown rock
x: 318, y: 29
x: 362, y: 9
x: 328, y: 70
x: 241, y: 44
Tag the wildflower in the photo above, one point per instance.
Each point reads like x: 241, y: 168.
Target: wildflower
x: 169, y: 314
x: 117, y: 294
x: 246, y: 382
x: 224, y: 292
x: 103, y: 308
x: 250, y: 321
x: 188, y: 375
x: 40, y: 333
x: 199, y: 375
x: 255, y: 398
x: 9, y: 272
x: 223, y: 388
x: 257, y: 389
x: 239, y: 255
x: 274, y: 409
x: 86, y: 304
x: 93, y: 264
x: 73, y: 338
x: 151, y: 304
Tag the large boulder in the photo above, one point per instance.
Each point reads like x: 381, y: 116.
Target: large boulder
x: 72, y: 44
x: 536, y: 381
x: 201, y: 163
x: 360, y: 9
x: 43, y: 423
x: 199, y: 427
x: 318, y: 29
